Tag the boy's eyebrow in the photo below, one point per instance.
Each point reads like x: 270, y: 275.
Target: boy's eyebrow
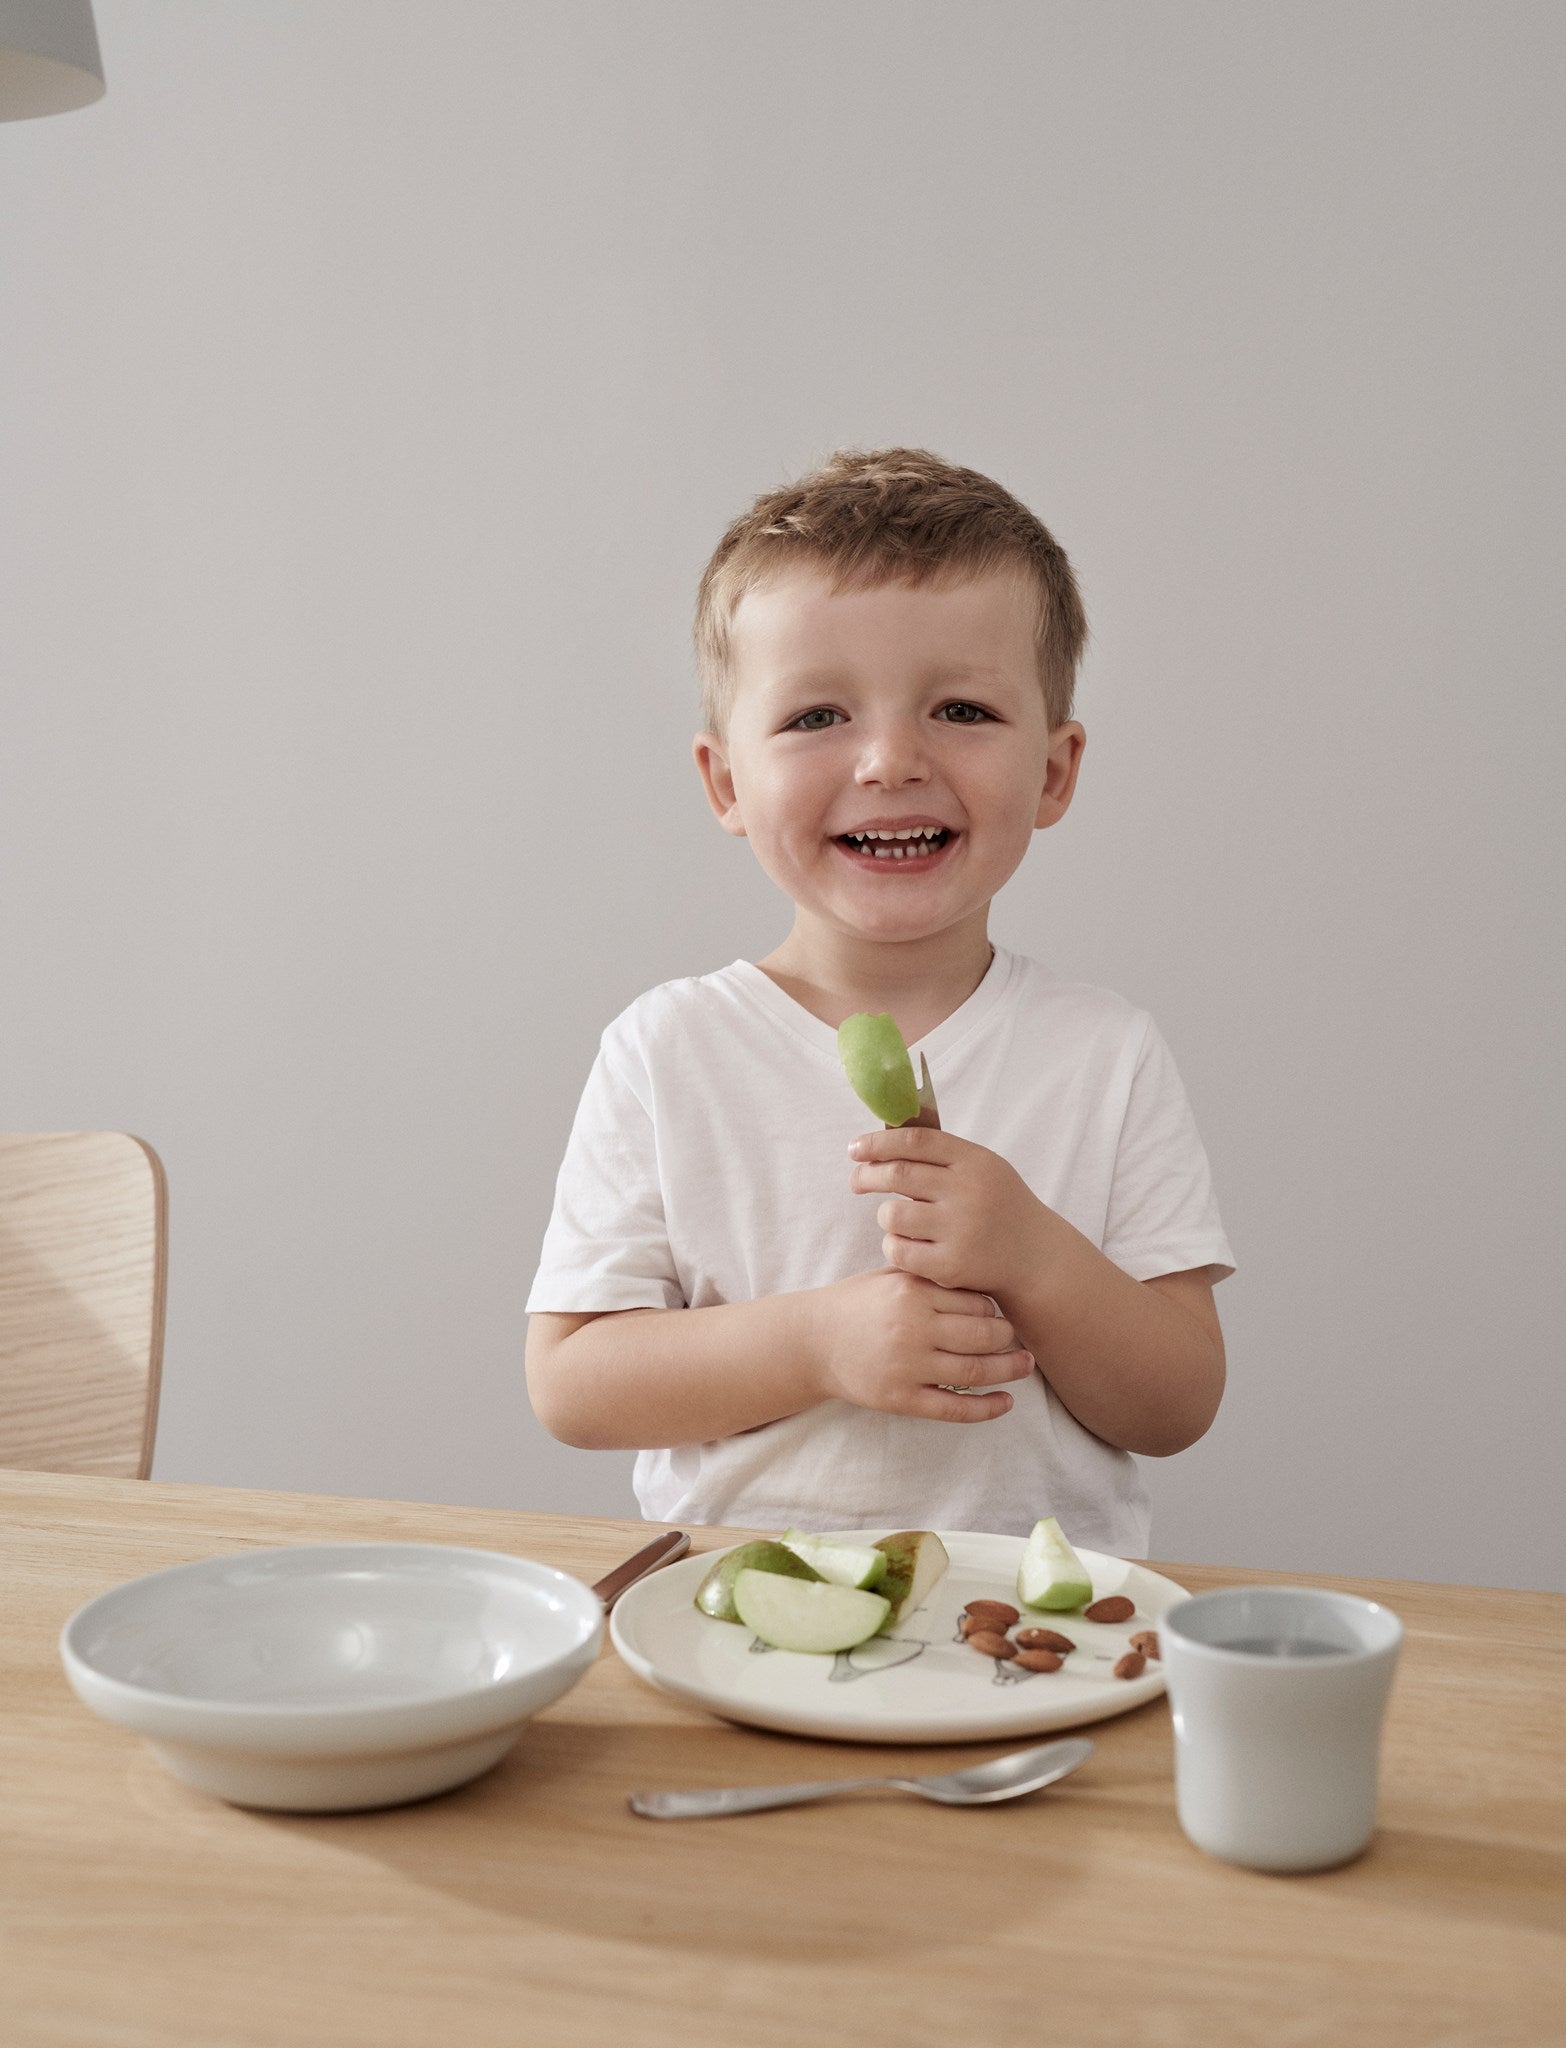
x: 944, y: 671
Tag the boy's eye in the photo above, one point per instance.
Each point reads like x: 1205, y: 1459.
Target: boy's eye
x: 825, y: 711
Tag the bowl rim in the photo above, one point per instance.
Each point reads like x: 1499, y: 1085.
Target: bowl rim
x: 300, y: 1716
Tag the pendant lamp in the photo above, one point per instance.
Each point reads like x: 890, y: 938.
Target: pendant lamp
x: 49, y: 61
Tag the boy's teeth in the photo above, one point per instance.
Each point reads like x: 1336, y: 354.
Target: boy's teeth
x: 923, y: 832
x: 897, y: 845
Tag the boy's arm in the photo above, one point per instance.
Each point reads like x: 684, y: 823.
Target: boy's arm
x: 883, y: 1339
x: 1138, y: 1362
x: 635, y: 1378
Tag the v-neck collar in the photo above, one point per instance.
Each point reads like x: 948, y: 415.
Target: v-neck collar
x: 821, y: 1037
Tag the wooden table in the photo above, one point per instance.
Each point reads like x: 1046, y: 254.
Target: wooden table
x: 532, y: 1907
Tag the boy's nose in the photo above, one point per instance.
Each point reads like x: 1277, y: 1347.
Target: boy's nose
x: 893, y: 755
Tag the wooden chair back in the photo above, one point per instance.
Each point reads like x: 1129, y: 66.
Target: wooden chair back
x: 83, y: 1261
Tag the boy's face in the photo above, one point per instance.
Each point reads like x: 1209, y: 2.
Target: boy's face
x: 901, y: 705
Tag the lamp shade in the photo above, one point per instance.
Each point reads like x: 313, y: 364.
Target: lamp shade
x: 49, y: 62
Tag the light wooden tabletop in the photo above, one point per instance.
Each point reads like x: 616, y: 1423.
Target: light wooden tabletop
x: 532, y: 1907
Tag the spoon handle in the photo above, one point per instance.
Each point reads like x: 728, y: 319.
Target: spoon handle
x: 740, y: 1798
x: 662, y: 1550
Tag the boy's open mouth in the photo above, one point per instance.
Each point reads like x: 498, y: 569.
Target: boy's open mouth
x: 919, y: 850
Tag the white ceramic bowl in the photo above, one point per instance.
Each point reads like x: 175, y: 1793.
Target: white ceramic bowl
x: 325, y: 1677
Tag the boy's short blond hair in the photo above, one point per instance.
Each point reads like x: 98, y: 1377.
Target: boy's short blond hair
x: 892, y: 515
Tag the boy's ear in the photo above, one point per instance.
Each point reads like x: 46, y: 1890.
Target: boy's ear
x: 1066, y: 744
x: 713, y: 764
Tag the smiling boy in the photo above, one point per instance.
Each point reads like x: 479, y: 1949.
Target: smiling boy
x: 888, y: 653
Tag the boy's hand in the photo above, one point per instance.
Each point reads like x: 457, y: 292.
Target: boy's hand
x: 965, y: 1218
x: 889, y: 1340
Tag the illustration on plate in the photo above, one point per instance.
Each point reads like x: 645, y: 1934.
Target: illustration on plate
x: 890, y: 1653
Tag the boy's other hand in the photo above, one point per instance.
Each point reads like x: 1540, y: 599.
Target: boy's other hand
x: 889, y: 1339
x: 966, y: 1219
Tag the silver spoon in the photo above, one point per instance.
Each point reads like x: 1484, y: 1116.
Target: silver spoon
x: 1003, y: 1777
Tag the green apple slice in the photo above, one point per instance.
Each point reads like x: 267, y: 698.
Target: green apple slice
x: 840, y: 1563
x: 915, y: 1560
x: 875, y: 1059
x: 715, y: 1594
x: 1051, y: 1575
x: 797, y: 1614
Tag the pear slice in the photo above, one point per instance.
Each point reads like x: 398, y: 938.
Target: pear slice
x: 794, y: 1614
x: 875, y: 1059
x: 1051, y: 1575
x: 715, y: 1594
x: 838, y: 1561
x: 915, y: 1560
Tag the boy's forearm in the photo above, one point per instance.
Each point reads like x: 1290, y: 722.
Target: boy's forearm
x: 1132, y: 1366
x: 647, y: 1378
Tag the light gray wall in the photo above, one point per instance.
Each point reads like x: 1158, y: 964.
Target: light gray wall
x: 376, y: 381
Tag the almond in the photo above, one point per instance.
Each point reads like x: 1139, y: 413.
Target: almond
x: 991, y: 1613
x: 1038, y: 1660
x: 1131, y: 1665
x: 1044, y: 1639
x: 1116, y: 1608
x: 990, y: 1644
x: 1145, y: 1640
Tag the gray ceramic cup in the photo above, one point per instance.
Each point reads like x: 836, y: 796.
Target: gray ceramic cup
x: 1277, y: 1695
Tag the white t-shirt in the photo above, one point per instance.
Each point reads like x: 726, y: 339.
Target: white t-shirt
x: 708, y: 1163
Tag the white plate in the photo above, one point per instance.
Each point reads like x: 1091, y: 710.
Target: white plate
x: 919, y: 1684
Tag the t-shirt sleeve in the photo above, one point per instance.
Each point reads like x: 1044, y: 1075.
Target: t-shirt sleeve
x: 1163, y: 1216
x: 607, y: 1245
